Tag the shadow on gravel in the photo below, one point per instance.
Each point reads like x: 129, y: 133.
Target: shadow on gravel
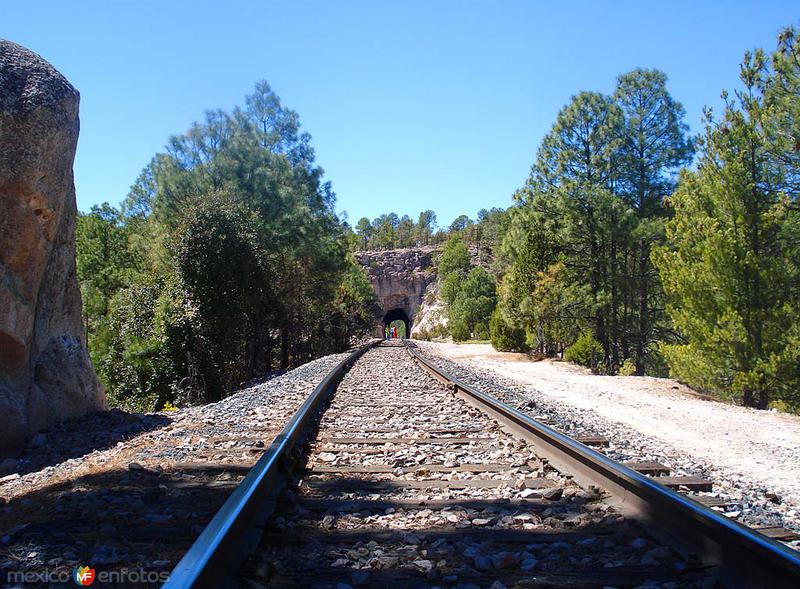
x: 332, y: 578
x: 312, y: 556
x: 321, y: 549
x: 81, y: 436
x: 114, y: 519
x: 311, y: 541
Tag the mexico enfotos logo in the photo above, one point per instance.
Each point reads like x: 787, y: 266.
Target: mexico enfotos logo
x: 84, y: 576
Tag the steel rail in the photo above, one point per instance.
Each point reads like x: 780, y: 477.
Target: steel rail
x: 223, y: 542
x: 745, y: 557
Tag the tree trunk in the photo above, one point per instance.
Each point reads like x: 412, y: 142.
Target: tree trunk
x: 284, y: 348
x: 644, y: 323
x: 613, y: 319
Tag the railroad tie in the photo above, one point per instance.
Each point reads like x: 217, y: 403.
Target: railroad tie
x: 368, y: 500
x: 689, y: 482
x: 655, y: 469
x: 591, y: 440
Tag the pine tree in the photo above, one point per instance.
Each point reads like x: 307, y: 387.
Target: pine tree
x: 654, y: 145
x: 576, y: 174
x: 425, y: 226
x: 728, y: 268
x: 364, y: 231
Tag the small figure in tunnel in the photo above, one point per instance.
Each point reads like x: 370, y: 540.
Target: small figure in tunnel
x: 386, y: 331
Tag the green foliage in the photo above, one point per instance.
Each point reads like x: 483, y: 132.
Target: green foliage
x: 730, y: 265
x: 655, y: 144
x: 459, y: 329
x: 135, y: 353
x: 226, y: 276
x: 459, y: 224
x: 454, y: 257
x: 779, y: 81
x: 504, y: 336
x: 400, y: 328
x: 391, y: 231
x: 584, y: 351
x: 557, y: 307
x: 354, y: 310
x: 108, y: 259
x: 228, y: 261
x: 364, y: 231
x: 437, y: 332
x: 481, y: 331
x: 405, y: 232
x: 451, y: 285
x: 473, y: 304
x: 489, y: 231
x: 425, y: 226
x: 628, y: 367
x: 469, y: 292
x: 576, y: 249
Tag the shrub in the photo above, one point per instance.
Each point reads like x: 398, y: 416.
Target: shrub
x: 582, y: 350
x: 450, y: 287
x: 421, y: 334
x: 628, y: 367
x: 505, y: 337
x: 655, y: 364
x: 438, y: 331
x: 459, y: 330
x: 454, y: 257
x: 481, y: 331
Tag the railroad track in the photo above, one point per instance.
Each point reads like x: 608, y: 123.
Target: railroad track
x: 395, y: 474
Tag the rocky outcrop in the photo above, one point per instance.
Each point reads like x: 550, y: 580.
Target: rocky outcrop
x: 45, y: 372
x: 400, y: 278
x: 431, y: 317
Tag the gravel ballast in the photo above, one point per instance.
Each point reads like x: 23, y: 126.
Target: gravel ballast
x: 752, y: 456
x: 119, y: 491
x: 406, y: 484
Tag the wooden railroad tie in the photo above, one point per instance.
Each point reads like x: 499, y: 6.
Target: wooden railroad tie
x: 349, y: 485
x: 404, y: 441
x: 385, y: 468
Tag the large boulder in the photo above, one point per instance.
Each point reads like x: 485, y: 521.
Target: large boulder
x: 46, y: 375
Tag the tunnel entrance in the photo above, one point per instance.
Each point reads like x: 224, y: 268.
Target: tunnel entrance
x: 398, y: 318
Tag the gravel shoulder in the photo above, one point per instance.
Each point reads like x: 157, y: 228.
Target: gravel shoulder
x: 132, y: 491
x: 751, y: 454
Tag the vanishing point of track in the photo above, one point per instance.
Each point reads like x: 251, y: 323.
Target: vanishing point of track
x: 393, y: 473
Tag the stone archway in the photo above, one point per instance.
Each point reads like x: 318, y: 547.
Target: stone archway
x: 397, y: 314
x: 399, y: 279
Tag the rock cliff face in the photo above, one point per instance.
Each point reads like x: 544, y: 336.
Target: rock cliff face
x: 431, y: 319
x: 400, y: 278
x: 45, y: 372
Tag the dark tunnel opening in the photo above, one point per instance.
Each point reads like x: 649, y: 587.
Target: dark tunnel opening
x: 397, y: 315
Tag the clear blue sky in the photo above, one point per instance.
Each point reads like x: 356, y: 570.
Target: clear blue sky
x: 411, y: 105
